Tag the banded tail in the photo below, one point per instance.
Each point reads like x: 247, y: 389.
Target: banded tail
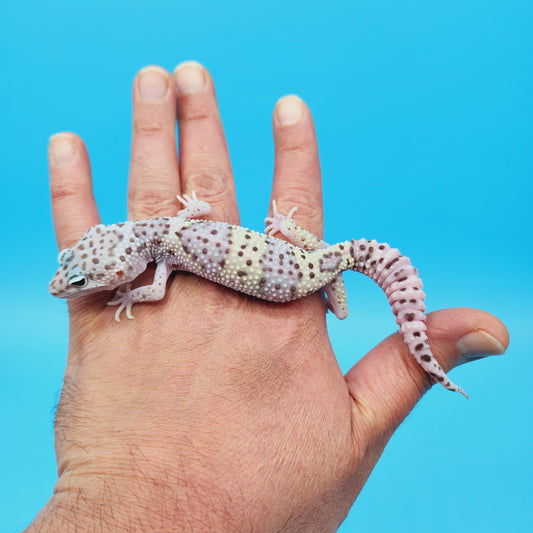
x: 399, y: 280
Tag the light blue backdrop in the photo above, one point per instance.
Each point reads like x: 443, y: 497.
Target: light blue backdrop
x: 423, y: 112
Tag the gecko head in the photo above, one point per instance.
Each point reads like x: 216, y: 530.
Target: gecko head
x: 100, y: 260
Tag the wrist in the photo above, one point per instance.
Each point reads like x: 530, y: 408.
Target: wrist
x: 109, y: 504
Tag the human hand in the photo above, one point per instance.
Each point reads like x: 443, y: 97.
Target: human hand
x: 212, y: 410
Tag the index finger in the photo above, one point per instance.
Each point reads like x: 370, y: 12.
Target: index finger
x: 73, y: 205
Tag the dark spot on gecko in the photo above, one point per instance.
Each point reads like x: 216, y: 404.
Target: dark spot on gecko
x: 254, y: 248
x: 300, y: 275
x: 249, y: 262
x: 310, y: 265
x: 214, y: 232
x: 280, y: 271
x: 95, y: 260
x: 409, y: 317
x: 247, y: 236
x: 362, y: 247
x: 311, y: 275
x: 277, y: 286
x: 240, y: 254
x: 178, y: 234
x: 128, y: 250
x: 390, y: 263
x: 241, y: 273
x: 204, y: 250
x: 402, y: 279
x: 426, y: 358
x: 419, y: 346
x: 416, y: 334
x: 222, y: 263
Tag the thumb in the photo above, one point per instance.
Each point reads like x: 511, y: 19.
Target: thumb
x: 386, y: 384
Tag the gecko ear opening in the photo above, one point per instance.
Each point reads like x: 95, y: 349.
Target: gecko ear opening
x: 64, y: 256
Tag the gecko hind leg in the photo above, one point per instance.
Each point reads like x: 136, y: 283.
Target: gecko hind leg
x: 335, y: 289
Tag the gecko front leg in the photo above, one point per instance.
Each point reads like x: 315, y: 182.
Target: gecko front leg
x: 126, y: 297
x: 194, y: 208
x: 335, y: 290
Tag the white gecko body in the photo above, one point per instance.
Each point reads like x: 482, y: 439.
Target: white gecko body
x: 263, y: 266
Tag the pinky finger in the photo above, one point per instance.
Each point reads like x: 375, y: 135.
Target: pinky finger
x: 73, y: 206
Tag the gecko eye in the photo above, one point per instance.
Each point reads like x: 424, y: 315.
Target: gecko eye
x: 64, y: 256
x: 79, y: 280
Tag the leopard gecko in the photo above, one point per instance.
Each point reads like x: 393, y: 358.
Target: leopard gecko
x: 111, y: 256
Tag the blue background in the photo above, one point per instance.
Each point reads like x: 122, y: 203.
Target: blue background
x: 423, y: 112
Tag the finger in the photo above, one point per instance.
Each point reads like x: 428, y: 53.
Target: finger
x: 154, y: 174
x: 387, y: 383
x: 204, y: 158
x: 73, y: 206
x: 297, y: 180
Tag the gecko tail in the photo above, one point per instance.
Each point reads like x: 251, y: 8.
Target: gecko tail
x: 397, y: 277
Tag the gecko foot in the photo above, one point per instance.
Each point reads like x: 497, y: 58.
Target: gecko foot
x: 123, y: 300
x: 194, y: 208
x: 274, y: 222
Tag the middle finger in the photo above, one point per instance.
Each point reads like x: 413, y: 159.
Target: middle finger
x: 154, y: 171
x: 204, y: 158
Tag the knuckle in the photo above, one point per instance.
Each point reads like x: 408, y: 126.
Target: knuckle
x: 295, y: 146
x: 309, y: 214
x: 210, y: 183
x: 193, y: 114
x: 67, y: 190
x: 149, y: 203
x: 148, y: 126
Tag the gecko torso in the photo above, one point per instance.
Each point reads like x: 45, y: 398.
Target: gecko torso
x: 258, y: 264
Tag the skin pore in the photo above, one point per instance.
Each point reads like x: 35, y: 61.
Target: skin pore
x: 214, y: 411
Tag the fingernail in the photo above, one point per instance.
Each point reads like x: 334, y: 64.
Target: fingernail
x: 153, y: 84
x: 289, y: 110
x: 478, y: 344
x: 62, y: 149
x: 190, y: 78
